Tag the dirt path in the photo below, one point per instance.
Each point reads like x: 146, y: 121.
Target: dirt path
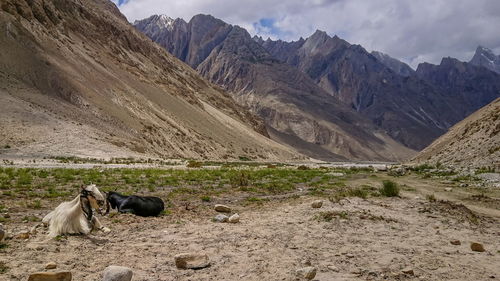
x: 354, y: 239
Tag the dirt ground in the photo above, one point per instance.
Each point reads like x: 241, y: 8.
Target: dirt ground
x: 352, y: 239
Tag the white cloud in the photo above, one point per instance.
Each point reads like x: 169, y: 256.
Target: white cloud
x: 413, y: 31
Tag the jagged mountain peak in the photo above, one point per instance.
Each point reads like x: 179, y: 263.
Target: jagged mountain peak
x: 485, y: 57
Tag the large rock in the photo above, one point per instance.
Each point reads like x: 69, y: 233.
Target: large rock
x: 307, y: 273
x: 117, y: 273
x: 191, y: 261
x: 50, y: 276
x: 222, y: 208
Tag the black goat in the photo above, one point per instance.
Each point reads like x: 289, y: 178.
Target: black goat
x: 138, y: 205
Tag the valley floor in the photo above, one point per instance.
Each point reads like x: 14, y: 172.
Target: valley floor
x: 356, y: 234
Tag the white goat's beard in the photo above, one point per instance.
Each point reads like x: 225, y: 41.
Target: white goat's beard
x: 67, y: 218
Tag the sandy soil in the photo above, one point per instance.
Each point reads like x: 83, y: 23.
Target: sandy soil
x: 373, y: 239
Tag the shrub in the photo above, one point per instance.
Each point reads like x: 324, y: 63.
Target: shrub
x: 389, y: 189
x: 194, y: 164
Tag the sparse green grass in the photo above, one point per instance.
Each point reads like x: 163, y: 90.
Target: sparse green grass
x: 431, y: 197
x: 330, y: 215
x: 389, y: 189
x: 205, y: 198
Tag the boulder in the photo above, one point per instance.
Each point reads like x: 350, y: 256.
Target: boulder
x: 191, y: 261
x: 317, y: 204
x: 234, y: 218
x: 307, y: 273
x: 50, y: 276
x: 117, y: 273
x: 222, y: 208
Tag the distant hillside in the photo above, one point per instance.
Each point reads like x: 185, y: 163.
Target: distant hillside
x: 77, y: 79
x: 473, y: 142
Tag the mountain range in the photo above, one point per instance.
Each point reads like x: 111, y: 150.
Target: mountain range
x: 325, y: 96
x: 76, y: 79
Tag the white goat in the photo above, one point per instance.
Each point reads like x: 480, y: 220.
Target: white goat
x: 75, y: 216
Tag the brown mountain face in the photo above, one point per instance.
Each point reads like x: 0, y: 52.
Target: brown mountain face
x: 412, y: 107
x: 472, y: 143
x: 77, y: 79
x: 296, y: 110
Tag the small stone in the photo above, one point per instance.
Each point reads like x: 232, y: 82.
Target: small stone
x: 408, y: 271
x: 221, y: 218
x: 222, y: 208
x: 463, y: 185
x: 50, y: 276
x: 51, y: 265
x: 191, y: 261
x: 22, y: 235
x: 448, y: 189
x: 336, y: 174
x: 2, y: 232
x: 117, y: 273
x: 234, y: 218
x: 307, y: 272
x: 455, y: 242
x: 317, y: 204
x: 306, y: 262
x: 477, y: 247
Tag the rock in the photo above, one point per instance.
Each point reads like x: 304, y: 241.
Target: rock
x: 191, y: 261
x: 317, y: 204
x: 22, y: 235
x: 306, y: 273
x: 336, y: 174
x: 463, y: 185
x: 234, y: 218
x: 408, y: 271
x: 477, y: 247
x: 222, y: 208
x: 51, y: 265
x: 455, y: 242
x: 117, y: 273
x: 221, y: 218
x: 448, y: 189
x: 50, y: 276
x: 2, y: 232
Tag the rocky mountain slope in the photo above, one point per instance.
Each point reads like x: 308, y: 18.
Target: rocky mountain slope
x: 486, y: 58
x: 296, y: 110
x: 77, y: 79
x: 472, y: 143
x: 413, y: 109
x: 395, y: 65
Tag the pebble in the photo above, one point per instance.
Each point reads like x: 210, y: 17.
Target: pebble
x: 307, y: 272
x: 51, y: 265
x: 408, y: 271
x: 448, y: 189
x: 317, y: 204
x: 234, y: 218
x: 191, y: 261
x: 221, y: 218
x: 463, y: 185
x: 477, y: 247
x: 455, y: 242
x: 2, y: 232
x: 117, y: 273
x: 50, y: 276
x: 222, y: 208
x: 22, y: 235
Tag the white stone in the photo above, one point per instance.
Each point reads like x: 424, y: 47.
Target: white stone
x: 234, y: 218
x: 117, y: 273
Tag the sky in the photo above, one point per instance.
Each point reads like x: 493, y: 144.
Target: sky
x: 413, y: 31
